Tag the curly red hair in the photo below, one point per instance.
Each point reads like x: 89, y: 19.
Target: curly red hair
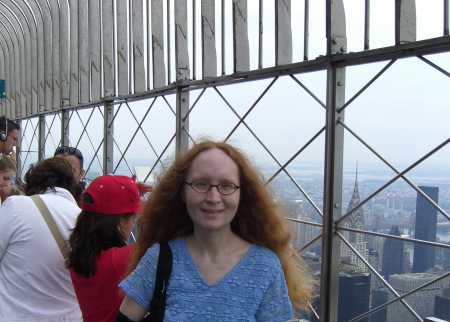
x: 258, y: 219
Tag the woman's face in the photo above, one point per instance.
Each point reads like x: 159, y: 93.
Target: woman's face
x: 5, y: 182
x: 212, y: 210
x: 126, y: 225
x: 5, y: 177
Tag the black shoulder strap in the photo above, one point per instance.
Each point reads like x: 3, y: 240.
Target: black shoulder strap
x: 163, y: 271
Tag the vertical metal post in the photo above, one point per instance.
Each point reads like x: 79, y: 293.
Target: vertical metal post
x: 182, y: 73
x: 446, y: 19
x: 83, y: 51
x: 283, y: 33
x: 241, y: 47
x: 209, y: 53
x: 306, y: 34
x: 334, y: 152
x: 223, y: 38
x: 260, y: 34
x: 194, y: 39
x: 181, y: 42
x: 64, y: 43
x: 18, y: 151
x: 65, y: 118
x: 95, y: 43
x: 108, y: 49
x: 169, y: 65
x: 157, y: 41
x: 367, y: 26
x: 182, y: 126
x: 74, y: 77
x: 41, y: 137
x: 108, y: 129
x: 122, y: 50
x: 405, y: 21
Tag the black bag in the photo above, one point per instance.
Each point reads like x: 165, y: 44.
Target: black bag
x: 158, y: 303
x: 163, y: 271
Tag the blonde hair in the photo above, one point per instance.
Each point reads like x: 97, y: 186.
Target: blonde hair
x: 6, y: 164
x: 258, y: 220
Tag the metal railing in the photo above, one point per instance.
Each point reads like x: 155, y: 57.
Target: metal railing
x: 128, y: 79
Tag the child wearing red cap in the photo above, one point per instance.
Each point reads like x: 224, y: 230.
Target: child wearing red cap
x: 98, y: 243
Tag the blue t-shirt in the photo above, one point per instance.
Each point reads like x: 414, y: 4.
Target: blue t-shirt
x: 253, y: 290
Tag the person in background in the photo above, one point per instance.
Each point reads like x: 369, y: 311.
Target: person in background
x: 232, y: 257
x: 34, y: 283
x: 75, y: 157
x: 7, y: 172
x: 99, y: 251
x: 9, y: 133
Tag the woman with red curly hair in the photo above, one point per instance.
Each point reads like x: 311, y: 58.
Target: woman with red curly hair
x: 232, y: 257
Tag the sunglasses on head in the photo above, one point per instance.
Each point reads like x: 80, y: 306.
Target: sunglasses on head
x: 71, y: 150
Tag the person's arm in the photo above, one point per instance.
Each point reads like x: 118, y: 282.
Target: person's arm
x: 142, y: 187
x: 131, y: 309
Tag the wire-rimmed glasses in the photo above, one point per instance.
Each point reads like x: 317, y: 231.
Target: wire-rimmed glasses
x: 224, y: 188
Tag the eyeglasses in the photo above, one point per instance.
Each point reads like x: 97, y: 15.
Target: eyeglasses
x: 14, y: 138
x: 204, y: 186
x: 71, y: 150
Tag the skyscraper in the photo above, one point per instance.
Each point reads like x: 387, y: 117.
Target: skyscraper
x: 379, y: 297
x: 392, y: 254
x: 422, y: 301
x: 355, y: 220
x: 425, y: 229
x: 354, y: 295
x: 442, y: 305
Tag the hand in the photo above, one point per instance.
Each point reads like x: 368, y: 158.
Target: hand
x: 13, y: 157
x: 142, y: 187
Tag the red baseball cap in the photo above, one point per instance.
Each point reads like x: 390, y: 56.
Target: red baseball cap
x: 112, y: 195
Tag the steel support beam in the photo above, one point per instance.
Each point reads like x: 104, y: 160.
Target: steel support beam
x: 241, y: 46
x: 209, y: 53
x: 65, y: 123
x: 108, y: 137
x: 334, y: 153
x: 41, y: 137
x: 182, y: 120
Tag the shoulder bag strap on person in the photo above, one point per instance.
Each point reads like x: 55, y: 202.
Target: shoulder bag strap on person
x: 51, y: 225
x: 163, y: 271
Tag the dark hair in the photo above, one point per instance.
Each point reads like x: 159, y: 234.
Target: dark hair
x: 93, y: 232
x: 11, y: 125
x: 68, y: 150
x: 51, y: 173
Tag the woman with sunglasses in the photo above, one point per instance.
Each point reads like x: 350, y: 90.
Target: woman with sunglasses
x: 232, y: 258
x: 75, y: 157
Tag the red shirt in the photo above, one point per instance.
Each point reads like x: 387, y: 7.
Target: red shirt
x: 98, y: 296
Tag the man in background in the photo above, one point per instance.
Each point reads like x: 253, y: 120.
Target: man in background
x: 75, y: 157
x: 9, y: 132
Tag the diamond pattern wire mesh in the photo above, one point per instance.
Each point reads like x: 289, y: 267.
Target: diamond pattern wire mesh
x: 146, y: 139
x: 132, y: 122
x: 398, y: 174
x: 147, y: 129
x: 28, y: 143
